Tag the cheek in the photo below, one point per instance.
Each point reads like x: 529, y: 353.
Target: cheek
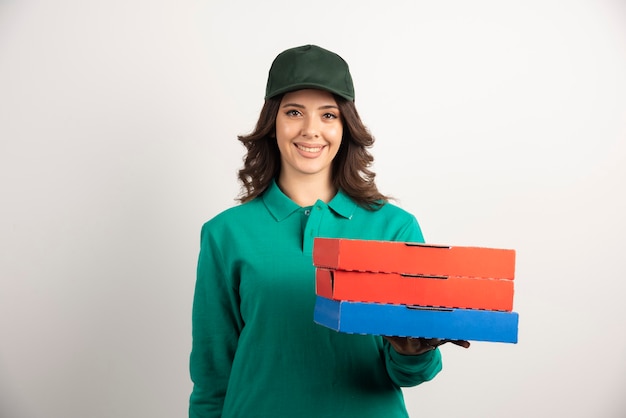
x: 283, y: 145
x: 336, y: 133
x: 285, y: 131
x: 336, y: 142
x: 284, y: 136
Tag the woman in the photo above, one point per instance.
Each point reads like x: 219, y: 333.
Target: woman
x: 256, y: 350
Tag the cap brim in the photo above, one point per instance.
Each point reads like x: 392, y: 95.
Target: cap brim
x: 302, y: 86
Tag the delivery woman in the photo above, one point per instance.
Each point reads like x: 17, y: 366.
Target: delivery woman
x: 256, y: 351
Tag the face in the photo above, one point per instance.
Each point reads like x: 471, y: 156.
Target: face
x: 308, y: 132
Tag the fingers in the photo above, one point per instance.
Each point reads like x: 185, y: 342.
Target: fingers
x: 425, y: 343
x: 433, y: 342
x: 415, y: 345
x: 460, y: 343
x: 410, y: 346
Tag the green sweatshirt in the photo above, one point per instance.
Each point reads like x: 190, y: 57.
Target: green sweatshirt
x: 256, y: 351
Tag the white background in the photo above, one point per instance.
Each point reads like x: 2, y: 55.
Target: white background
x: 498, y: 123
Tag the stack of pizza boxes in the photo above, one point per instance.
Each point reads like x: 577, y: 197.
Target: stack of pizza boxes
x: 415, y: 290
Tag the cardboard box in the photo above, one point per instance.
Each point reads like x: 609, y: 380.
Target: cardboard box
x: 404, y: 321
x: 451, y: 292
x: 413, y: 258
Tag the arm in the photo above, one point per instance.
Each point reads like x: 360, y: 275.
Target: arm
x: 411, y: 370
x: 216, y: 324
x: 410, y: 361
x: 408, y: 358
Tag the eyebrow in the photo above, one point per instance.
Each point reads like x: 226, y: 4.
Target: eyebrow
x: 300, y: 106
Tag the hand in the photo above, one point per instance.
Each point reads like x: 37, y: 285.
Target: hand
x: 410, y: 346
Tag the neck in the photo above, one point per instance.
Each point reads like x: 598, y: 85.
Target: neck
x: 306, y: 190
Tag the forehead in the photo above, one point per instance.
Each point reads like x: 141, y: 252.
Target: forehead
x: 309, y: 96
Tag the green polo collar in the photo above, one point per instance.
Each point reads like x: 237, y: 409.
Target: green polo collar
x: 281, y: 206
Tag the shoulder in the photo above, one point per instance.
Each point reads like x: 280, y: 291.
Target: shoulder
x: 390, y: 209
x: 397, y: 223
x: 387, y: 211
x: 234, y: 217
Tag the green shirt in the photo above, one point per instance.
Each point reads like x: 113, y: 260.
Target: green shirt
x: 256, y: 351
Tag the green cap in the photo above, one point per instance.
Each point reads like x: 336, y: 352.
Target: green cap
x: 312, y: 67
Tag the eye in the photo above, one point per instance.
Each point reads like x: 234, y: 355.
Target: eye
x: 293, y: 112
x: 329, y: 115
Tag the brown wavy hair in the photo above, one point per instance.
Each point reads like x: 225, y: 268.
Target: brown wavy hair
x: 351, y: 166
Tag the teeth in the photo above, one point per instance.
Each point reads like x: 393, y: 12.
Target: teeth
x: 307, y: 149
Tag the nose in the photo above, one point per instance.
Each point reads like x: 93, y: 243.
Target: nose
x: 310, y: 128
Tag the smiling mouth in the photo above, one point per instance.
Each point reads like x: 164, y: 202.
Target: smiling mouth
x: 309, y: 149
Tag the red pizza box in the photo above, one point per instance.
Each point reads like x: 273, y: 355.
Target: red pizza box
x: 451, y: 292
x: 413, y: 258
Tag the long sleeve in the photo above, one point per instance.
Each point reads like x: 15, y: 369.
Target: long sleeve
x: 216, y: 324
x: 256, y: 351
x: 411, y: 370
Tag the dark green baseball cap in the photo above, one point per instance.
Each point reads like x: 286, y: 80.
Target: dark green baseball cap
x: 311, y: 67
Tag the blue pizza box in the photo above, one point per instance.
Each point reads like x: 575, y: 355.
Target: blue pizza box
x: 416, y: 321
